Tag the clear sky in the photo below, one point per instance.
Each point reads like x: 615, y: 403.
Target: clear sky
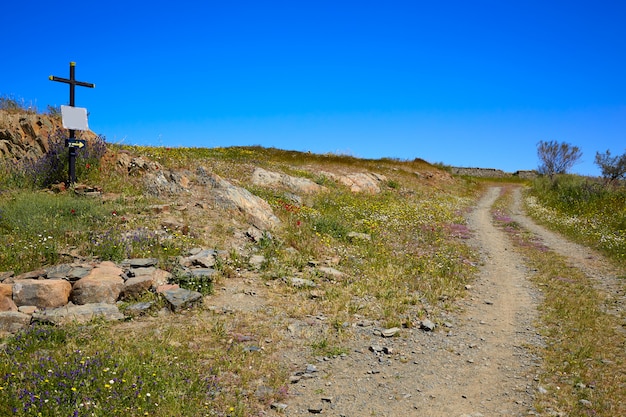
x: 466, y: 83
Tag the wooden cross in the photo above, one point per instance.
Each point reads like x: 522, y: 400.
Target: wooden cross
x: 72, y: 140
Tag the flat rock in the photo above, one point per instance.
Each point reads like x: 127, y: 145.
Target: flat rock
x: 13, y: 321
x: 266, y: 178
x: 181, y: 298
x: 390, y: 332
x: 78, y: 313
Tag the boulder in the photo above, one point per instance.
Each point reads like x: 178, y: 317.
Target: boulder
x: 78, y: 314
x: 6, y: 298
x: 265, y: 178
x: 230, y: 197
x: 103, y: 284
x: 134, y: 287
x: 41, y: 293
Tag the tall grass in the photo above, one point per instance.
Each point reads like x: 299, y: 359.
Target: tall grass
x: 584, y: 210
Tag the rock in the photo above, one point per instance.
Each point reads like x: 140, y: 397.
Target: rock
x: 265, y: 178
x: 142, y: 262
x: 103, y: 284
x: 6, y: 275
x: 78, y: 313
x: 302, y: 283
x: 7, y: 304
x: 138, y: 309
x: 134, y: 287
x: 278, y: 406
x: 204, y: 259
x: 41, y: 293
x: 310, y: 369
x: 360, y: 182
x: 230, y: 197
x: 6, y: 290
x: 585, y: 403
x: 427, y: 325
x: 13, y: 321
x: 27, y: 309
x: 181, y: 298
x: 390, y: 332
x: 256, y: 261
x: 316, y: 409
x: 330, y: 272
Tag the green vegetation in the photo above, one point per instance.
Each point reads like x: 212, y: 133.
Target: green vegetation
x: 583, y: 368
x: 584, y: 210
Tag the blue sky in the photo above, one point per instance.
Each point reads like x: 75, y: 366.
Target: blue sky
x: 465, y: 83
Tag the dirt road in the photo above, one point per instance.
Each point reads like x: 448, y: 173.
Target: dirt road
x: 477, y: 366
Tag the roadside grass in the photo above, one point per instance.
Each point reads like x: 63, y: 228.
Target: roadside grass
x: 583, y: 370
x: 584, y: 210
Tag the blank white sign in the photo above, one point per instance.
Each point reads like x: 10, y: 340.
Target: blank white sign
x: 74, y: 118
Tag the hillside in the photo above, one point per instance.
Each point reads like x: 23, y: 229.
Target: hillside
x: 251, y: 281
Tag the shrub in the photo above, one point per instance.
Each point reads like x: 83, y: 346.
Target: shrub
x: 51, y: 167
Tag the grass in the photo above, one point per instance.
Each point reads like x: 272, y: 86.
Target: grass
x: 583, y: 371
x: 584, y: 210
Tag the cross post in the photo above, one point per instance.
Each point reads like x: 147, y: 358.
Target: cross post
x: 72, y: 83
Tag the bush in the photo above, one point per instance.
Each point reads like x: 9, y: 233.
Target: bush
x: 51, y: 168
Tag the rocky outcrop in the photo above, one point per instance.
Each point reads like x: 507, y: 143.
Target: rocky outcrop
x: 25, y: 135
x: 230, y: 197
x: 298, y: 185
x: 359, y: 182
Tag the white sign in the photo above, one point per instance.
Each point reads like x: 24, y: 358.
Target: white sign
x: 74, y: 118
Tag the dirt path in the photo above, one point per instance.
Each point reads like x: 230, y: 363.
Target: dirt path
x: 478, y: 366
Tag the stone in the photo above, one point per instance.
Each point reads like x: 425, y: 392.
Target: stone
x: 330, y: 272
x: 13, y: 321
x: 78, y: 313
x: 27, y: 309
x: 138, y: 309
x: 256, y: 261
x: 6, y: 290
x: 134, y: 287
x: 278, y: 406
x: 302, y: 283
x: 427, y: 325
x: 41, y: 293
x: 204, y: 259
x: 142, y: 262
x: 103, y: 284
x: 316, y: 409
x: 230, y: 197
x: 7, y: 304
x: 181, y: 298
x: 265, y: 178
x: 363, y: 182
x: 390, y: 332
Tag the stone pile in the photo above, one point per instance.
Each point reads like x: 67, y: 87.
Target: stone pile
x: 78, y: 292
